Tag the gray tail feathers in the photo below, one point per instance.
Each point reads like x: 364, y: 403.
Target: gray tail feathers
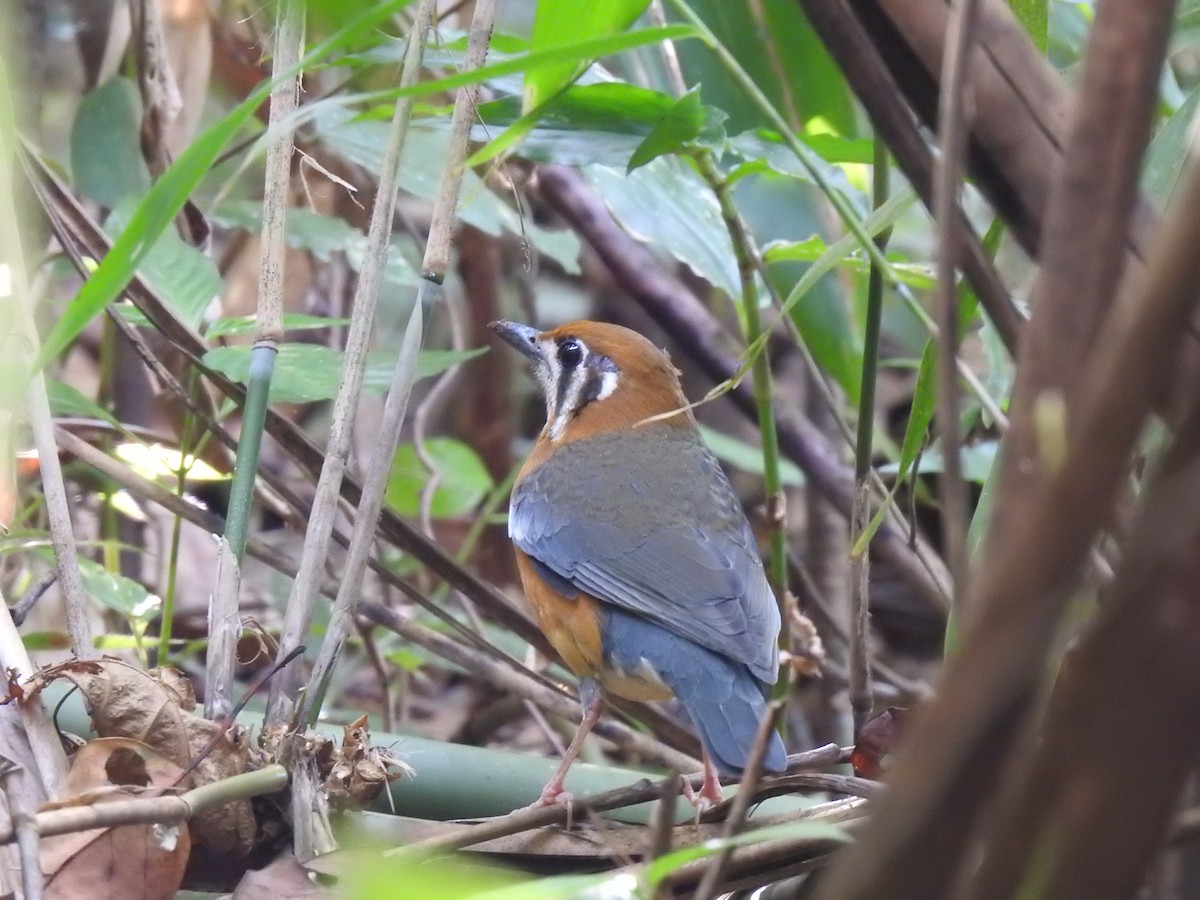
x: 727, y: 707
x: 724, y: 700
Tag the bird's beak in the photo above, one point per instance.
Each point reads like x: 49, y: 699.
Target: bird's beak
x: 522, y: 337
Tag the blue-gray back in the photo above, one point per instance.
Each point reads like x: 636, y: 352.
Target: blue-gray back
x: 646, y: 520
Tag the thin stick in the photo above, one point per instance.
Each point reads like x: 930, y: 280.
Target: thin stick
x: 166, y: 810
x: 298, y: 615
x: 642, y: 792
x: 741, y: 803
x: 946, y: 180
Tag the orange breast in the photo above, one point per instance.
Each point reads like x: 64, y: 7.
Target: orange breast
x: 571, y: 625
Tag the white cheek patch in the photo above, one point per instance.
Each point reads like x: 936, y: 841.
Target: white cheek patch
x: 608, y: 384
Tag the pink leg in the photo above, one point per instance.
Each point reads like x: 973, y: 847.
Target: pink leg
x: 554, y: 791
x: 710, y: 793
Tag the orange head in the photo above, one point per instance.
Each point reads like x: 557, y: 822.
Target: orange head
x: 597, y: 378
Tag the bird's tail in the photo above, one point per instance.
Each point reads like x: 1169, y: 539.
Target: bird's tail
x: 724, y: 700
x: 726, y: 705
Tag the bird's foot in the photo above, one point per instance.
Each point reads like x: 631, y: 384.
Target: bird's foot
x: 709, y: 795
x: 553, y: 795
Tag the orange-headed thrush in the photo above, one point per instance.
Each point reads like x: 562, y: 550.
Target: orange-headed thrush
x: 633, y: 549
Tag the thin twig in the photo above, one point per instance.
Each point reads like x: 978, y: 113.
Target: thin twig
x: 741, y: 802
x: 859, y: 657
x: 166, y: 810
x: 299, y: 612
x: 953, y: 132
x: 746, y: 253
x: 47, y: 751
x: 22, y: 814
x: 643, y: 791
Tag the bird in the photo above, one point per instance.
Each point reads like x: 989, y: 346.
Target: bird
x: 634, y: 551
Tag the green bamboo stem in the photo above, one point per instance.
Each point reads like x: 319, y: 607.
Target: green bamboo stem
x: 760, y: 373
x: 861, y: 697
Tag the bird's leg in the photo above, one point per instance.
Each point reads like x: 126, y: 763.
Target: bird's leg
x: 593, y: 704
x: 710, y: 793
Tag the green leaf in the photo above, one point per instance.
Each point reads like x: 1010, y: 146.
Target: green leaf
x: 976, y: 460
x: 668, y: 863
x: 685, y: 123
x: 777, y: 47
x: 465, y: 480
x: 120, y: 594
x: 813, y: 248
x: 179, y: 273
x: 747, y: 457
x: 921, y: 414
x: 667, y: 204
x: 172, y: 190
x: 587, y: 123
x: 228, y: 325
x: 766, y: 148
x: 66, y: 400
x: 1168, y: 151
x: 559, y: 22
x: 305, y: 373
x: 1034, y: 16
x: 363, y: 142
x: 580, y: 50
x: 106, y: 156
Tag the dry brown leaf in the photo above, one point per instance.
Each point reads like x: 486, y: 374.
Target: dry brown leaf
x: 284, y: 879
x: 129, y: 861
x: 358, y: 771
x: 155, y: 708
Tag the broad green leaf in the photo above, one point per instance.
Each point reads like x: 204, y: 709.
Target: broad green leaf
x: 178, y: 272
x: 322, y: 236
x: 586, y: 123
x: 519, y: 129
x: 811, y: 249
x: 687, y: 122
x: 765, y: 147
x: 318, y: 234
x: 363, y: 142
x: 106, y: 157
x: 747, y: 457
x: 667, y: 204
x: 921, y: 413
x: 559, y: 22
x: 172, y: 190
x: 305, y: 373
x: 120, y: 594
x: 775, y: 45
x: 228, y: 325
x: 1034, y: 16
x: 976, y: 460
x: 465, y: 480
x: 67, y: 401
x: 814, y: 830
x: 1168, y: 151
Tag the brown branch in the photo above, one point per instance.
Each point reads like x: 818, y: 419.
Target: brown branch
x: 889, y: 109
x: 961, y: 741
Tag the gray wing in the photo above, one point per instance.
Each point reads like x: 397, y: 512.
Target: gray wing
x: 647, y: 521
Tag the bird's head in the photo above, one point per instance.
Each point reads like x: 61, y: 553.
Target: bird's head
x: 597, y: 377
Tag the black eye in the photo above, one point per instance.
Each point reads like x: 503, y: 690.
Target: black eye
x: 570, y: 353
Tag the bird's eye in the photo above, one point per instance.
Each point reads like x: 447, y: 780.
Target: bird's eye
x: 570, y: 353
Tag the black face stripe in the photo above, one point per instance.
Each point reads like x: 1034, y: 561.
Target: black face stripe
x: 592, y: 385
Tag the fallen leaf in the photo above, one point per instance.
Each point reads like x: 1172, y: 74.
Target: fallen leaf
x: 143, y: 861
x: 284, y: 879
x: 155, y: 708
